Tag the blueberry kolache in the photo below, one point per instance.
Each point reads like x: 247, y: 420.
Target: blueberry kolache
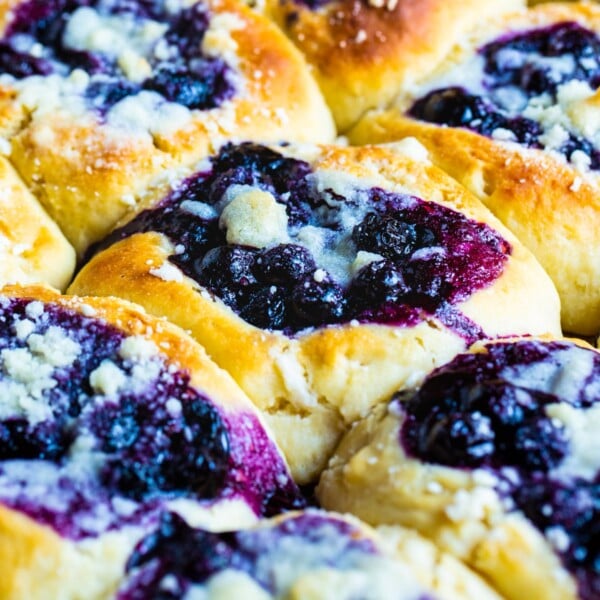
x: 495, y: 457
x: 324, y: 278
x: 102, y: 99
x: 109, y: 418
x: 311, y: 554
x: 513, y: 114
x: 363, y: 51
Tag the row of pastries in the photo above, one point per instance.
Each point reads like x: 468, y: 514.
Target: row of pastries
x: 300, y: 299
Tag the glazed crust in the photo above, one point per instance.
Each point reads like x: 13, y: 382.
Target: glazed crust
x: 87, y: 175
x: 313, y: 385
x: 550, y: 206
x: 40, y: 564
x: 372, y: 477
x: 32, y: 247
x: 364, y: 51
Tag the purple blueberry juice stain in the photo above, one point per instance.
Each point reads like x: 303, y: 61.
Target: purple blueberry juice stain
x: 519, y: 67
x: 98, y: 463
x: 429, y: 258
x: 488, y: 410
x: 35, y: 44
x: 190, y: 557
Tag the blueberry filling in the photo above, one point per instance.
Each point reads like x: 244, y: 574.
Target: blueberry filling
x: 491, y: 410
x: 519, y: 69
x: 562, y: 40
x: 421, y: 258
x: 186, y: 557
x: 103, y: 437
x: 38, y: 42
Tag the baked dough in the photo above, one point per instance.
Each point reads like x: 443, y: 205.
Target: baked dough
x: 333, y: 328
x: 495, y: 457
x: 32, y: 247
x: 545, y: 190
x: 102, y: 99
x: 307, y: 555
x: 108, y: 417
x: 363, y: 52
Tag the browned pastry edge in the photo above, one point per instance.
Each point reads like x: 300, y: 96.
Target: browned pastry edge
x: 364, y: 51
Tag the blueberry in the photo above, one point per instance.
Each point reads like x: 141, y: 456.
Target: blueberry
x: 186, y: 88
x: 178, y: 550
x: 151, y: 452
x: 227, y: 268
x: 45, y: 441
x: 318, y: 301
x: 540, y: 444
x: 526, y: 131
x: 430, y: 281
x: 106, y: 93
x: 506, y: 404
x: 44, y: 21
x: 457, y: 108
x: 266, y: 308
x: 87, y: 61
x: 377, y: 283
x: 199, y: 457
x: 284, y: 263
x: 21, y: 65
x: 451, y: 106
x: 583, y: 145
x: 188, y: 29
x: 468, y: 438
x: 123, y: 430
x: 387, y: 235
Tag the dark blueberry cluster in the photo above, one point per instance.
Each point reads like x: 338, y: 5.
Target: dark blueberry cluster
x: 559, y: 41
x: 150, y: 452
x: 575, y: 509
x: 456, y: 107
x: 469, y: 414
x: 187, y: 77
x: 512, y: 64
x: 190, y: 556
x: 165, y: 440
x: 432, y: 257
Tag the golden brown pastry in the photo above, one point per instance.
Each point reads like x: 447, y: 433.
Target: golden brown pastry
x: 324, y: 278
x: 363, y: 51
x: 310, y: 555
x: 100, y: 99
x: 514, y: 115
x: 32, y: 247
x: 496, y: 458
x: 108, y: 418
